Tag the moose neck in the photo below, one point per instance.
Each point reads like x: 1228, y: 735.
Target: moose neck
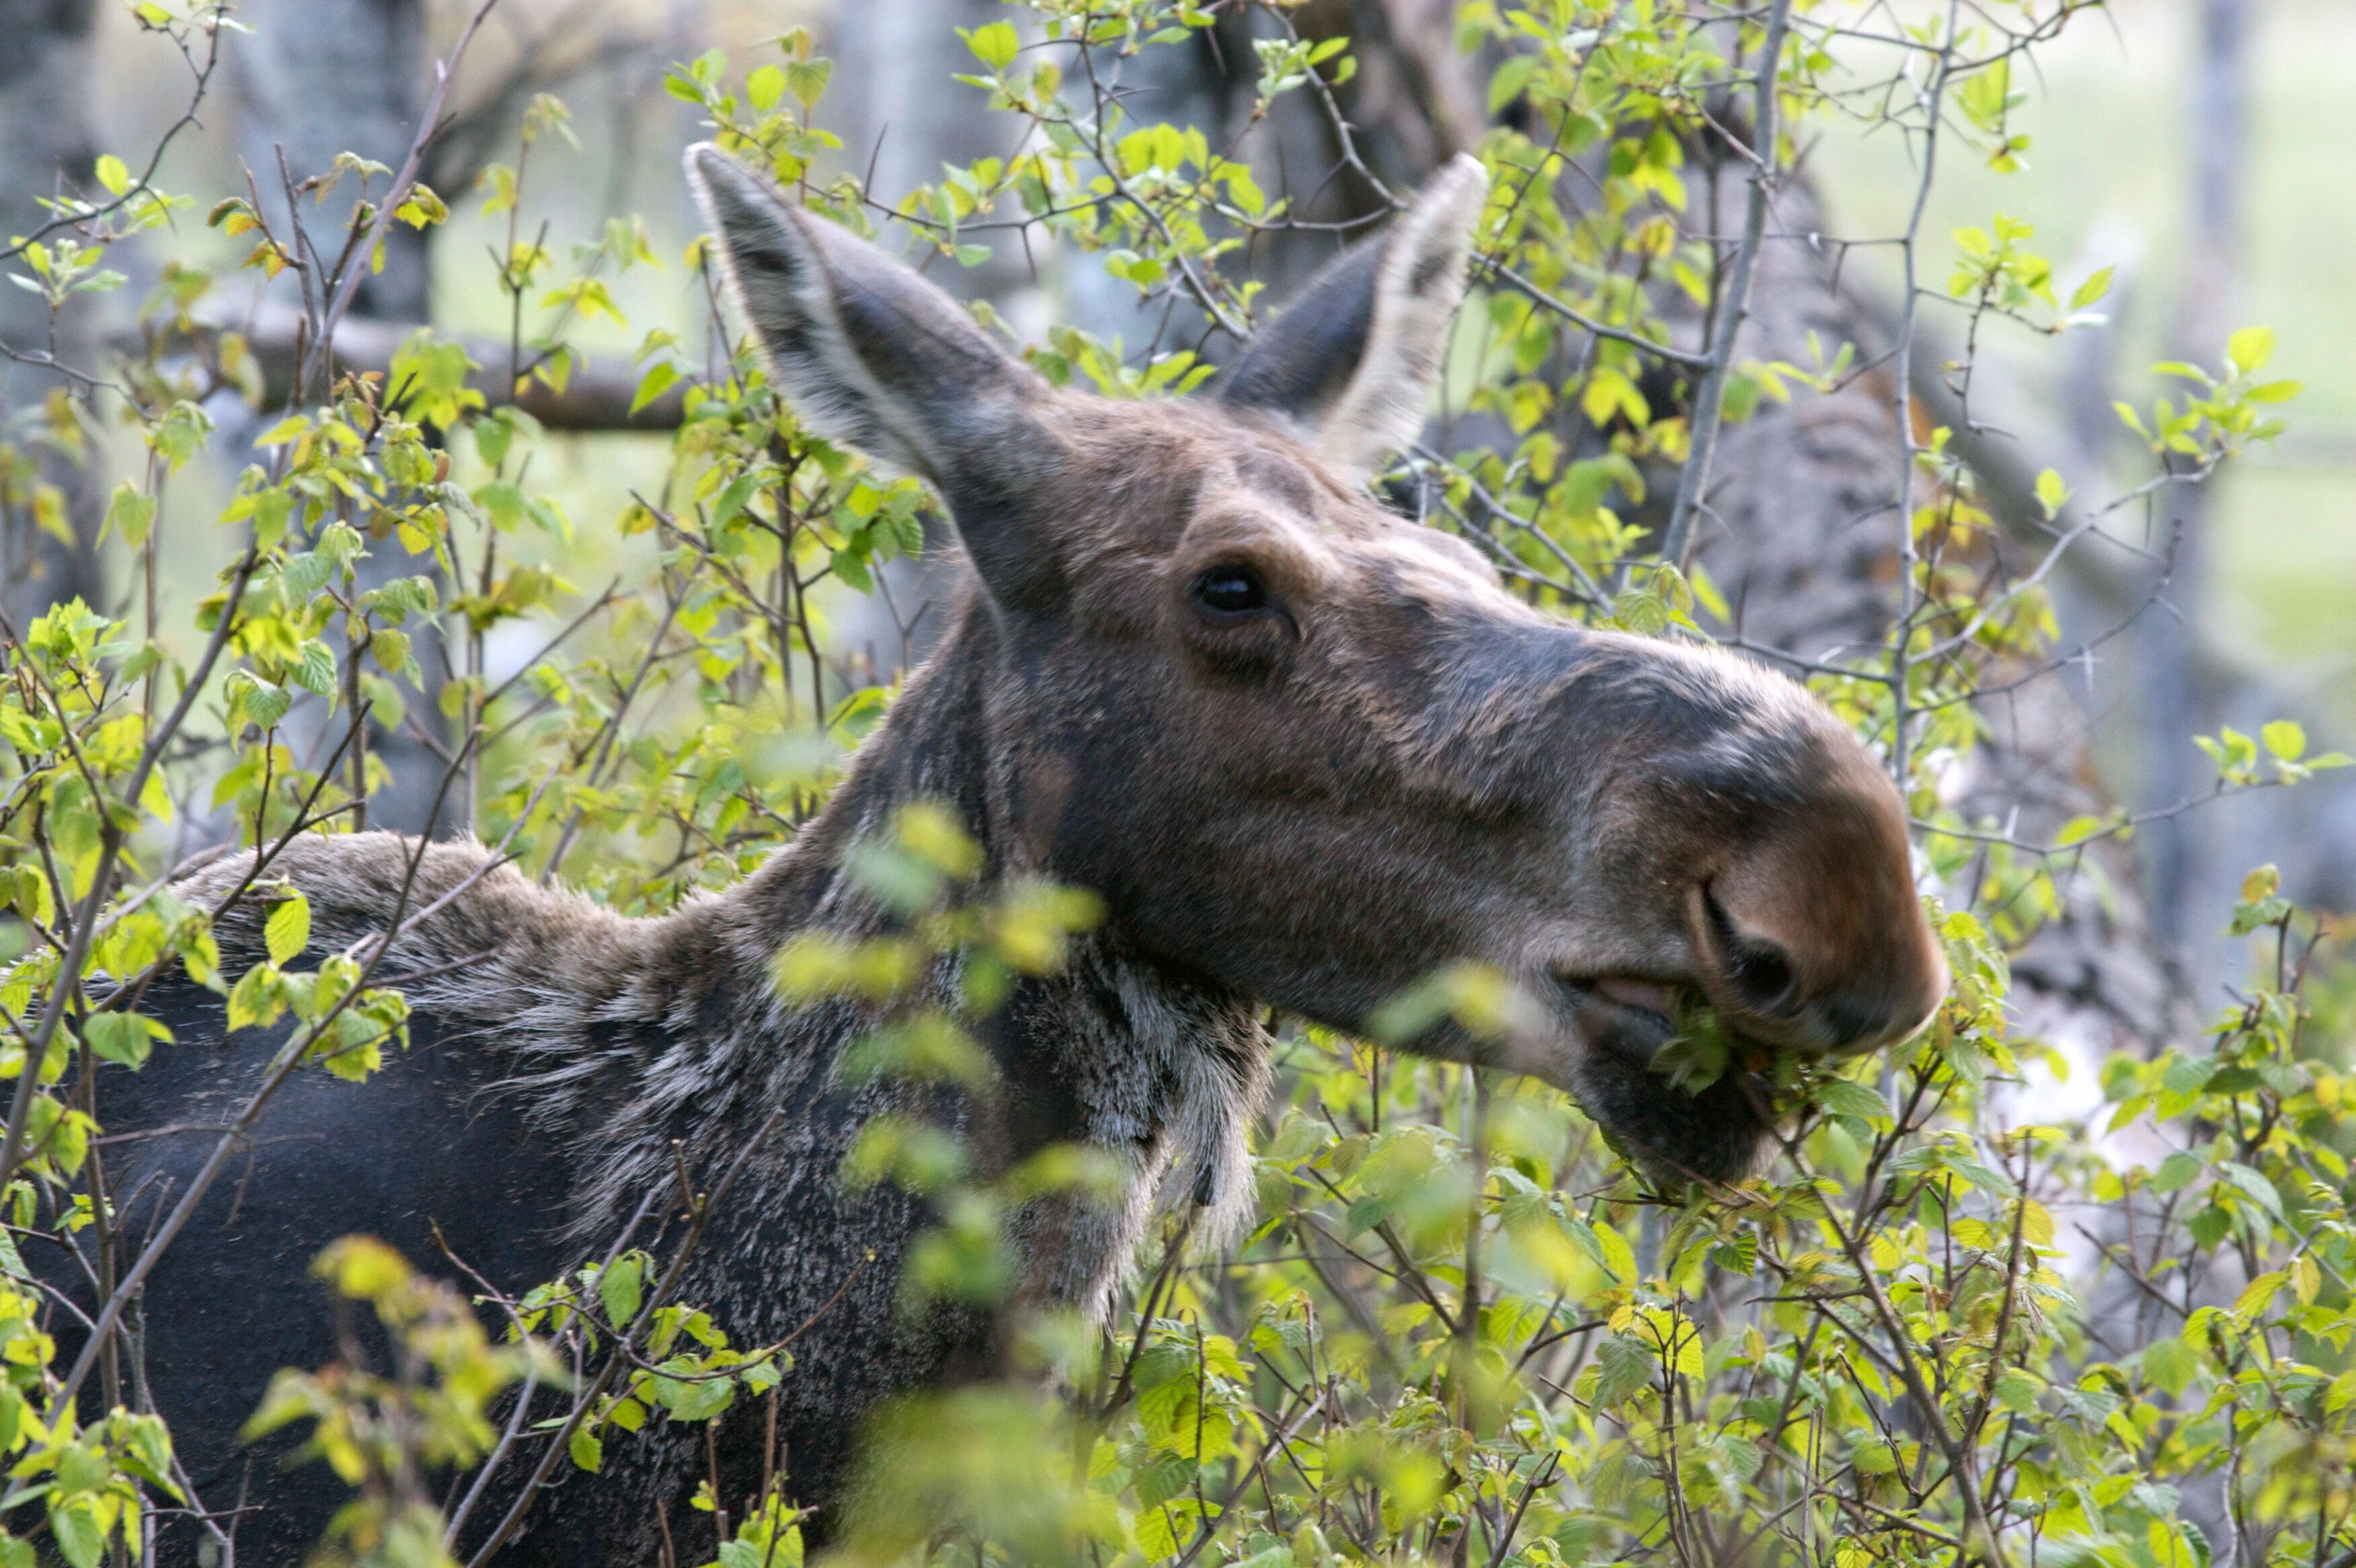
x: 934, y: 746
x: 1159, y: 1070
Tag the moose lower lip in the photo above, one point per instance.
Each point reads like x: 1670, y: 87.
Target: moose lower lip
x: 1638, y: 996
x: 1629, y: 1019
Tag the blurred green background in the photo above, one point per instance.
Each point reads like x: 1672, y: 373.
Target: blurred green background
x: 2108, y: 180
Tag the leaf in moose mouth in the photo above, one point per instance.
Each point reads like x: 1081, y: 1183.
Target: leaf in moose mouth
x: 1701, y: 1047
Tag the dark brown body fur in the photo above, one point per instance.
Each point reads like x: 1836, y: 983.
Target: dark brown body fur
x: 542, y: 1098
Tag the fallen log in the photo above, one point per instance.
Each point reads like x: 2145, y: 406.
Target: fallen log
x: 595, y: 397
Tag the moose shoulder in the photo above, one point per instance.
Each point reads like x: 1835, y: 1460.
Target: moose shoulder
x: 1302, y: 750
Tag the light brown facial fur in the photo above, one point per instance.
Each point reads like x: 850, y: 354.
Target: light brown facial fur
x: 1307, y: 751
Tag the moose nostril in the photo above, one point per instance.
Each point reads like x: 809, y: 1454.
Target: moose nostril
x: 1857, y: 1022
x: 1760, y: 970
x: 1761, y: 973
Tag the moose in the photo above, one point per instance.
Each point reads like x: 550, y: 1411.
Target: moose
x: 1300, y: 749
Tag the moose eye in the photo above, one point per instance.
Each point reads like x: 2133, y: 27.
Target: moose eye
x: 1230, y: 591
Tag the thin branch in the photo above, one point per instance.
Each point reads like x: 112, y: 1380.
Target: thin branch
x: 1734, y: 302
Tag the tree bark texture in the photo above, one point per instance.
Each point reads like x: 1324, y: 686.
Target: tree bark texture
x: 1803, y: 540
x: 2175, y: 702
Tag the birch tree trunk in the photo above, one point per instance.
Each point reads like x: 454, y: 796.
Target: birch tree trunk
x: 2174, y: 701
x: 316, y: 78
x: 902, y: 116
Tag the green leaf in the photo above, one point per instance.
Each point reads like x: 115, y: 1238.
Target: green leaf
x: 492, y: 437
x: 288, y: 429
x: 2170, y: 1364
x: 2175, y: 1173
x: 78, y: 1535
x: 995, y: 44
x: 314, y: 669
x: 503, y: 502
x: 734, y: 498
x: 304, y: 575
x: 1511, y: 77
x: 128, y: 513
x: 1842, y: 1098
x: 265, y: 704
x: 389, y: 648
x: 117, y: 1037
x: 618, y: 1289
x: 1622, y: 1368
x: 588, y: 1451
x: 288, y: 931
x: 2286, y: 738
x: 2052, y: 493
x: 1157, y: 1532
x: 2250, y: 349
x: 2188, y: 1075
x: 697, y: 1400
x: 2095, y: 286
x: 2258, y: 1294
x: 2260, y: 1190
x: 805, y: 80
x: 654, y: 383
x: 1618, y: 1256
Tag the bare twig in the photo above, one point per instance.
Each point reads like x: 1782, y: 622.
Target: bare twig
x: 1734, y: 297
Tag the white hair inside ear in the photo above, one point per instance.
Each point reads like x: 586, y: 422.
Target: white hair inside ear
x: 1417, y: 291
x: 1352, y: 363
x: 871, y: 355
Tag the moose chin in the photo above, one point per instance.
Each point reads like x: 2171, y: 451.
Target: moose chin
x: 1302, y: 751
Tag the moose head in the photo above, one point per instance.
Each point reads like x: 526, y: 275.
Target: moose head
x: 1307, y: 751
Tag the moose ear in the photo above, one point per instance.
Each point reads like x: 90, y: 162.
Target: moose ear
x: 870, y: 355
x: 1351, y: 361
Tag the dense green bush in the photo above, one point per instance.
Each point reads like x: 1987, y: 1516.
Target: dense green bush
x: 1459, y: 1328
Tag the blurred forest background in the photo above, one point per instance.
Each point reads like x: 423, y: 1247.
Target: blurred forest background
x: 2195, y: 147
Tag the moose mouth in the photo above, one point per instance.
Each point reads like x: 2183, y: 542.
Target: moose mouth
x: 1648, y: 1004
x: 1628, y: 1017
x: 1675, y: 1133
